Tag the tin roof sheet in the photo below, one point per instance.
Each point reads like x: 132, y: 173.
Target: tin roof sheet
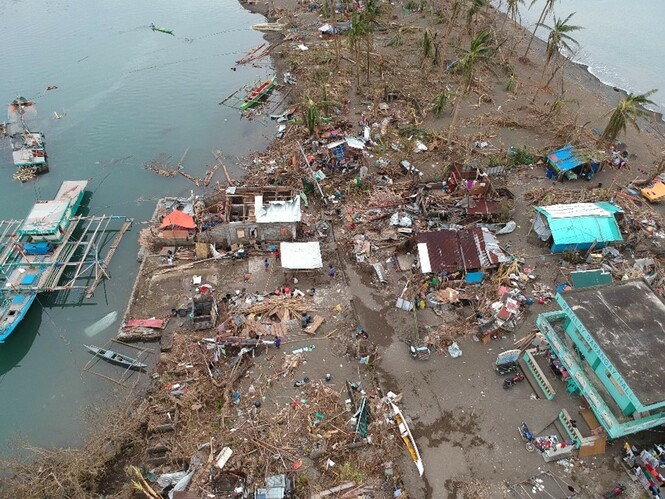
x: 452, y: 250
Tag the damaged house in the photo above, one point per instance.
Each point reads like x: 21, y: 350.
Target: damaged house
x: 249, y: 214
x: 578, y: 226
x: 453, y: 250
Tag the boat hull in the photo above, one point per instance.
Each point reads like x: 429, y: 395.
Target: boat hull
x: 17, y: 306
x: 258, y: 93
x: 116, y: 358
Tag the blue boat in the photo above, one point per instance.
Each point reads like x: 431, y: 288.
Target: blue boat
x: 32, y: 259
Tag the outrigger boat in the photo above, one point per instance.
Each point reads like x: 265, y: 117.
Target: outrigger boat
x: 258, y: 93
x: 36, y: 253
x: 28, y: 151
x: 162, y: 30
x: 406, y: 435
x: 116, y: 358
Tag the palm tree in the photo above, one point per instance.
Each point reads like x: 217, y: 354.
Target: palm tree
x: 479, y: 51
x: 359, y: 30
x: 627, y: 111
x: 557, y: 41
x: 475, y: 7
x: 512, y: 11
x: 547, y: 8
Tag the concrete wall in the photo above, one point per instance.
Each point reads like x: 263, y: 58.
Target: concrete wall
x: 235, y: 233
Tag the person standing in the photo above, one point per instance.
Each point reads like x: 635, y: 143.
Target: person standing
x: 266, y: 265
x: 331, y: 271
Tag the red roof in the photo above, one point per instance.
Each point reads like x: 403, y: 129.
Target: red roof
x: 178, y: 219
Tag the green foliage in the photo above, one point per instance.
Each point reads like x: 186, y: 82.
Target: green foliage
x: 397, y: 40
x: 519, y: 156
x: 411, y: 5
x: 505, y: 209
x: 511, y: 84
x: 302, y: 483
x: 441, y: 102
x: 312, y: 116
x: 627, y: 111
x: 426, y: 44
x: 475, y: 7
x: 559, y: 37
x: 495, y: 160
x: 480, y: 50
x: 349, y: 473
x: 373, y: 8
x: 419, y: 133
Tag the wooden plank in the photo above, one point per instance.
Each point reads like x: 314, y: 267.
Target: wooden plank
x: 316, y: 323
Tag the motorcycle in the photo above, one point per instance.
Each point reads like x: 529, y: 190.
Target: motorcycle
x: 506, y: 368
x: 512, y: 381
x: 615, y: 492
x: 527, y: 436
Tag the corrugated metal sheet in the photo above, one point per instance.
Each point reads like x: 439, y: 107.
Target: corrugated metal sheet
x: 483, y: 207
x: 452, y: 250
x: 564, y: 159
x: 579, y: 225
x: 277, y: 211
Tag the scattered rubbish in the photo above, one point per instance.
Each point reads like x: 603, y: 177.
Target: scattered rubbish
x: 289, y: 79
x: 223, y: 456
x: 308, y: 348
x: 454, y: 350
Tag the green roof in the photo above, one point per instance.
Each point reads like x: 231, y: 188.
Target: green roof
x: 579, y: 223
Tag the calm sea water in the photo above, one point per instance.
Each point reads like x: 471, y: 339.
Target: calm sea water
x: 129, y: 94
x: 622, y: 42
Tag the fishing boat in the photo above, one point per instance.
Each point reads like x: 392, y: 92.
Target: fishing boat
x: 29, y: 258
x: 258, y: 93
x: 407, y: 437
x: 162, y: 30
x: 116, y: 358
x: 28, y: 151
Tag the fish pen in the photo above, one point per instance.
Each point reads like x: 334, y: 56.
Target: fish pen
x: 79, y: 263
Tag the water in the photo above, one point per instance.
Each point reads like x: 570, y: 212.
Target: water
x: 621, y: 41
x: 129, y: 94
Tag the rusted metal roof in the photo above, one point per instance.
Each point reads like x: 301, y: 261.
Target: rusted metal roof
x: 452, y: 250
x: 483, y: 207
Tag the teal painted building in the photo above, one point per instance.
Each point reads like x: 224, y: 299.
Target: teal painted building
x: 578, y: 226
x: 611, y: 339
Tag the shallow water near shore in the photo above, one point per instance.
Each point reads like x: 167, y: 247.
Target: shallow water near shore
x: 128, y: 94
x: 621, y: 42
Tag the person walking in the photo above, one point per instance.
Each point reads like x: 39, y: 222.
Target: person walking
x: 331, y: 271
x: 266, y: 265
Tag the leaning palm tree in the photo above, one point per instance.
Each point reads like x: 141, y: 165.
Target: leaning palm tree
x: 512, y: 11
x: 558, y: 41
x: 479, y: 52
x: 547, y: 8
x: 627, y: 111
x: 559, y: 38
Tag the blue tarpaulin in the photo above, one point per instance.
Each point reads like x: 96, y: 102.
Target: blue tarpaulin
x: 564, y: 159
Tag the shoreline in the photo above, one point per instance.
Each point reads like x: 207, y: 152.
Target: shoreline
x: 591, y: 87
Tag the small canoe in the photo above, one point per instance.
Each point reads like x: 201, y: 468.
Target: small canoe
x: 257, y: 93
x: 116, y: 358
x: 408, y: 439
x: 162, y: 30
